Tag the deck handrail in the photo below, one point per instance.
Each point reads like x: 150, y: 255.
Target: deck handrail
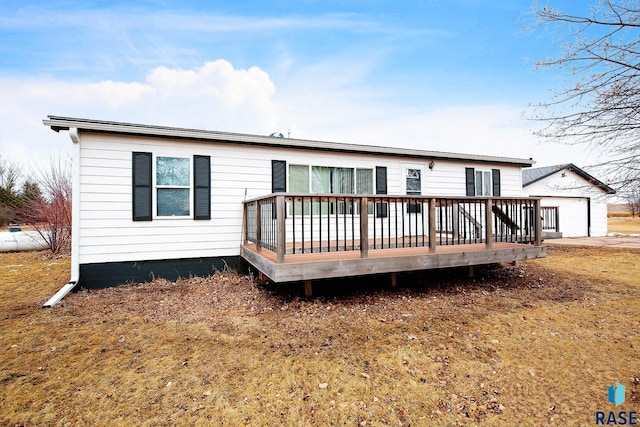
x: 298, y: 223
x: 385, y: 196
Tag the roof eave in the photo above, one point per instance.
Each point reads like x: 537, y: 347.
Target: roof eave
x: 570, y: 166
x: 65, y: 123
x: 593, y: 180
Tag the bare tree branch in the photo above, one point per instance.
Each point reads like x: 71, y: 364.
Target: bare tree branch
x: 601, y: 108
x: 50, y: 215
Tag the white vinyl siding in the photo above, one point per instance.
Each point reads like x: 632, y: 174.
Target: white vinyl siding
x: 448, y: 179
x: 107, y: 232
x: 573, y: 219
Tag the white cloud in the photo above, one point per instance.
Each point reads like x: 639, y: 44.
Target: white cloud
x: 496, y: 130
x: 215, y: 83
x: 217, y: 96
x: 213, y: 96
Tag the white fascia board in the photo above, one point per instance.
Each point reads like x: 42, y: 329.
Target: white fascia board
x: 65, y: 123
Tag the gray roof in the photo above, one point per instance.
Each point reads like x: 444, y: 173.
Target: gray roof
x: 529, y: 176
x: 65, y: 123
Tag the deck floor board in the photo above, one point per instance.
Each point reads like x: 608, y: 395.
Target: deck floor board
x: 318, y: 265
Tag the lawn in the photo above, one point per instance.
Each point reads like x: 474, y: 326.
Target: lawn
x: 624, y: 225
x: 533, y: 344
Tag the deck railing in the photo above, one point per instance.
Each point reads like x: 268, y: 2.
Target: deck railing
x: 550, y: 218
x: 311, y: 223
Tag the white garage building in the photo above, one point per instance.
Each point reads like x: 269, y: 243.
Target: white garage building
x: 574, y: 203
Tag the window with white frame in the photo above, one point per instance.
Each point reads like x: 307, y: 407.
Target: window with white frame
x: 332, y: 180
x: 299, y: 183
x: 173, y: 186
x: 483, y: 183
x: 299, y: 178
x: 167, y: 181
x: 329, y: 180
x: 364, y: 181
x: 414, y: 182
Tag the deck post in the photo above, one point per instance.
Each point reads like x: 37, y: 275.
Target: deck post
x: 245, y: 239
x: 432, y: 225
x: 538, y: 222
x: 455, y: 217
x: 394, y: 280
x: 488, y: 224
x: 280, y: 228
x: 364, y: 229
x: 308, y: 289
x: 258, y: 226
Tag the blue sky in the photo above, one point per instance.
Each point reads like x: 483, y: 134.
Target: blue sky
x: 453, y: 75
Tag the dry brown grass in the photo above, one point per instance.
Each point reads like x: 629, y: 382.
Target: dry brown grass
x: 535, y: 344
x: 624, y: 225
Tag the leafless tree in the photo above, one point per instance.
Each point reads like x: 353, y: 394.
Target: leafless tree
x: 50, y: 215
x: 9, y: 174
x: 600, y: 103
x: 633, y: 201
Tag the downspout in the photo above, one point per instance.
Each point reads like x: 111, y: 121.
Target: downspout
x: 75, y: 222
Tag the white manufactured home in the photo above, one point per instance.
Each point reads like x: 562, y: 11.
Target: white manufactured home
x: 154, y: 201
x: 573, y: 203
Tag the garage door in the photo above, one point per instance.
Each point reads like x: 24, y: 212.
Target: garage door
x: 574, y: 217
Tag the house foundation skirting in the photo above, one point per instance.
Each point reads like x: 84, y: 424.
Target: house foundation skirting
x: 103, y: 275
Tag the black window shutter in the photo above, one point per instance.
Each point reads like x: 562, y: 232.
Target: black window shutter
x: 278, y: 176
x: 381, y: 180
x: 470, y: 181
x: 142, y: 186
x: 201, y: 187
x: 495, y: 177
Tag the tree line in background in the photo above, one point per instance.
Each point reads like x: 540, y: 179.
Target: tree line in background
x: 633, y: 202
x: 40, y: 200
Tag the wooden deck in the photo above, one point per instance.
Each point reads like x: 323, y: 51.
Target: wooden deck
x: 303, y: 267
x: 294, y: 237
